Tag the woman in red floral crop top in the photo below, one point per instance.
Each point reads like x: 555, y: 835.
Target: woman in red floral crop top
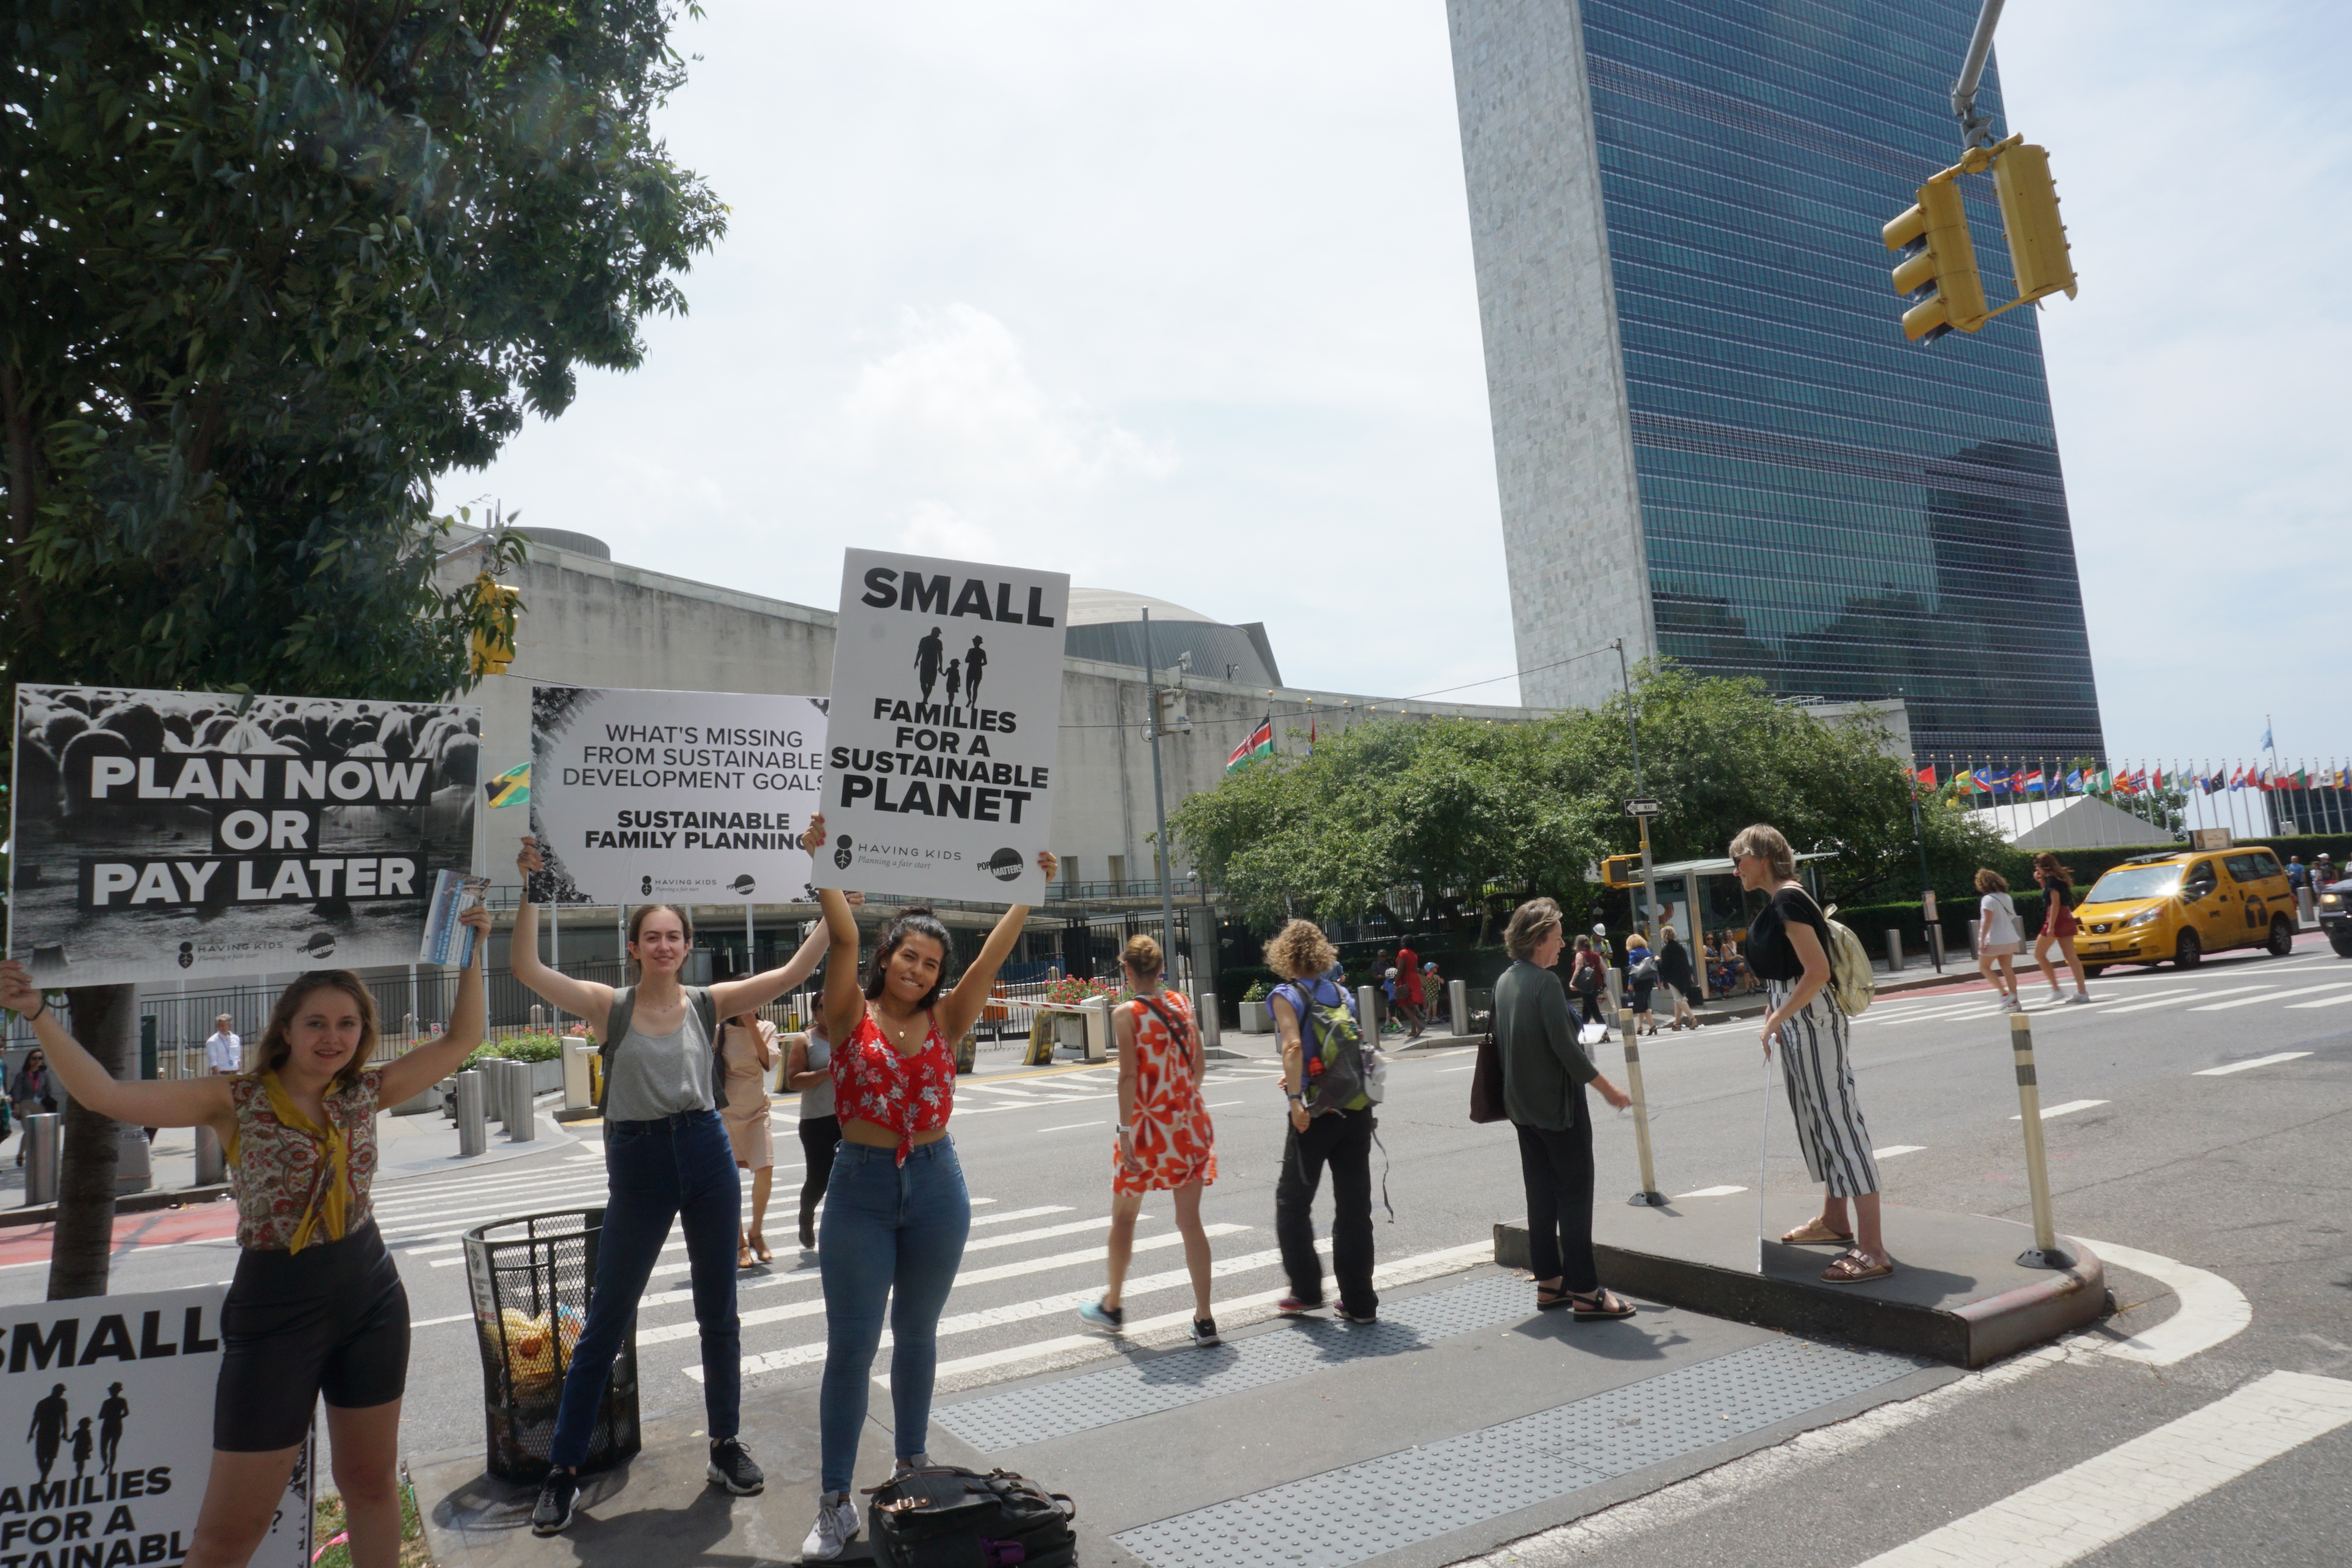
x: 896, y: 1210
x: 317, y: 1306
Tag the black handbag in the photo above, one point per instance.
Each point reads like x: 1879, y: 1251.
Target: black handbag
x: 1486, y: 1083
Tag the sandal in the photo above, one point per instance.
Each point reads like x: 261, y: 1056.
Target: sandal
x: 1548, y: 1301
x: 1813, y: 1233
x: 1601, y: 1303
x: 1850, y: 1269
x: 760, y: 1248
x: 742, y: 1253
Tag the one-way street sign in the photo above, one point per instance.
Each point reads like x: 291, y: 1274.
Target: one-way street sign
x: 1644, y: 807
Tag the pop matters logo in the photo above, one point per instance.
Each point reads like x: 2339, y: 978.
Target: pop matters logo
x: 843, y: 854
x: 744, y: 886
x: 1005, y: 865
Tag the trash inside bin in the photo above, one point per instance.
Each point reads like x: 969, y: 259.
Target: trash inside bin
x: 531, y: 1279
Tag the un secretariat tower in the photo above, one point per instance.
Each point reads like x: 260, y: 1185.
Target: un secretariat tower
x: 1710, y: 435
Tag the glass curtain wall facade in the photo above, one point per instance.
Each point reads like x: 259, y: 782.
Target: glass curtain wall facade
x: 1824, y: 504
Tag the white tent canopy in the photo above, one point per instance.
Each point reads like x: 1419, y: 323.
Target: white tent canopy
x: 2070, y: 821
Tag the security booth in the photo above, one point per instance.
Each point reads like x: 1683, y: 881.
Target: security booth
x: 1698, y: 897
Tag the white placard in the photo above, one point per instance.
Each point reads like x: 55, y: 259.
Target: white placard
x: 946, y: 705
x: 696, y: 796
x: 192, y: 834
x: 113, y: 1396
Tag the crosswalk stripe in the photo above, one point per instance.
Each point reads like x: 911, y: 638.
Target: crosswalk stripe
x: 2322, y: 1002
x: 2157, y: 999
x: 968, y: 1277
x: 2131, y: 1486
x: 2068, y: 1109
x: 2269, y: 996
x: 793, y: 1275
x: 2226, y: 1068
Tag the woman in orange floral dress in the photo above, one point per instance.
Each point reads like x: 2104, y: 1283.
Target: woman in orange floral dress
x: 1165, y: 1142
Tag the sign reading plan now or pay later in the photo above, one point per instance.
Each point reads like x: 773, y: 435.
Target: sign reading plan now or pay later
x: 941, y: 737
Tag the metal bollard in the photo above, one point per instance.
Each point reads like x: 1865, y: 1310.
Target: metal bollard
x: 1894, y: 950
x: 1457, y: 1001
x: 1649, y: 1196
x: 1206, y: 1011
x: 2044, y: 1253
x: 43, y: 1135
x: 522, y: 1121
x: 212, y: 1161
x: 471, y: 1135
x: 1367, y: 1014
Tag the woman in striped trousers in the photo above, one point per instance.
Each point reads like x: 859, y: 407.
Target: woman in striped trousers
x: 1788, y: 950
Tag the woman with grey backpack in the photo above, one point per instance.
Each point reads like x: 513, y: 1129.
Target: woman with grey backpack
x: 1789, y: 945
x: 1331, y: 1123
x: 667, y: 1160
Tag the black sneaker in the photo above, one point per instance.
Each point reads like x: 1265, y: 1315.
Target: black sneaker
x: 1346, y: 1315
x: 731, y: 1466
x: 551, y: 1515
x: 1204, y: 1334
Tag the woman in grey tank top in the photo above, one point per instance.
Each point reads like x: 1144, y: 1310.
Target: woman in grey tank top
x: 809, y: 1069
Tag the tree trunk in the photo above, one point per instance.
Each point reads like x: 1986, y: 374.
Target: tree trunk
x: 106, y: 1021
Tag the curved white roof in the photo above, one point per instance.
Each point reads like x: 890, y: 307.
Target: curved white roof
x: 1095, y: 607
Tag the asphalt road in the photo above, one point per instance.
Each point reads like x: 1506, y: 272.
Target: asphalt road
x: 2242, y: 1174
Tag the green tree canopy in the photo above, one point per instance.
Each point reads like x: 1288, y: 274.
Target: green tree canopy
x: 1406, y: 814
x: 266, y: 270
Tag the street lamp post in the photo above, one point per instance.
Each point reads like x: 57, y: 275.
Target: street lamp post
x: 1158, y: 801
x: 1634, y: 738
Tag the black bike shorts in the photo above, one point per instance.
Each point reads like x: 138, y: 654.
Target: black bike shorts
x: 330, y: 1320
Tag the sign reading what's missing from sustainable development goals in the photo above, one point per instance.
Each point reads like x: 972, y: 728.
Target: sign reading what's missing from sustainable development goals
x: 107, y: 1402
x: 947, y: 703
x: 694, y: 796
x: 191, y: 834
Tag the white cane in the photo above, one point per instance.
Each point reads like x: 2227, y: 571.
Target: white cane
x: 1763, y: 1134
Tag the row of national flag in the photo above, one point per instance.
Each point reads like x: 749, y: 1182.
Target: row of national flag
x: 2021, y: 780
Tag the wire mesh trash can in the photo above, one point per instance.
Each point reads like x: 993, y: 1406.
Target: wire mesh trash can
x: 531, y: 1279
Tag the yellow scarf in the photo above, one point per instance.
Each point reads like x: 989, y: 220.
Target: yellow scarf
x: 330, y: 1199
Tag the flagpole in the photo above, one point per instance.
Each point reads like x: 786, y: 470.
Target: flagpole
x: 1159, y: 807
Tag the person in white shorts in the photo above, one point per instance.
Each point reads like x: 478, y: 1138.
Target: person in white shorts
x: 2000, y: 935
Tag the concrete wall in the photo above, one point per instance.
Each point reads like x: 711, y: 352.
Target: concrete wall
x: 1555, y: 375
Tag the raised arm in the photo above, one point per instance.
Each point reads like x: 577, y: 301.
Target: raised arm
x: 957, y: 1010
x: 750, y: 995
x: 183, y: 1102
x: 588, y: 1000
x: 844, y: 1002
x: 406, y: 1077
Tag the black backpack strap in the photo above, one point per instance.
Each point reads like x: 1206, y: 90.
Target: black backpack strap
x: 616, y: 1024
x: 1176, y: 1028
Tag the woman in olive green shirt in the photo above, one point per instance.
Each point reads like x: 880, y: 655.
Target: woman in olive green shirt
x: 1544, y: 1075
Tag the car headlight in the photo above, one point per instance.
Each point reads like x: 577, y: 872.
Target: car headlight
x: 2329, y: 901
x: 2147, y: 917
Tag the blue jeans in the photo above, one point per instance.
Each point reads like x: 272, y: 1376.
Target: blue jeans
x: 892, y: 1233
x: 679, y: 1168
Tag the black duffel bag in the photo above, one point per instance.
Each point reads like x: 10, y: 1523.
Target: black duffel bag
x: 947, y: 1517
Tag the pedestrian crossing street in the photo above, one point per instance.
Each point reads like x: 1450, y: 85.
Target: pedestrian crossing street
x: 2296, y: 985
x: 1027, y: 1268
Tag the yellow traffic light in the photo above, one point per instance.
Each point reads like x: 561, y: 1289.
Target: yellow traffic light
x: 1939, y: 265
x: 1620, y: 870
x: 2029, y: 214
x: 494, y: 648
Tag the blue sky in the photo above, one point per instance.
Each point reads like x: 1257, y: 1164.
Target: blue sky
x: 1181, y: 300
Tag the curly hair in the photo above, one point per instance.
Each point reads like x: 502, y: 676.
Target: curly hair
x: 1300, y: 950
x: 1990, y: 881
x: 275, y: 1046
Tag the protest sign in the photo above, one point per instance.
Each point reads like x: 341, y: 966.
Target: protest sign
x: 946, y: 702
x: 694, y: 796
x: 188, y: 835
x: 114, y: 1397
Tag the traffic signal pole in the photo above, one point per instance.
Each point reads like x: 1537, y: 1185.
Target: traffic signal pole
x: 1976, y: 130
x: 1634, y: 739
x: 1159, y: 811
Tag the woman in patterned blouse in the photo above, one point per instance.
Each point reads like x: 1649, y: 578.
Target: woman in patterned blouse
x: 317, y: 1306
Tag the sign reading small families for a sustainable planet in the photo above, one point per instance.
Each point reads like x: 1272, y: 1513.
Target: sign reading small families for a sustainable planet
x: 108, y: 1405
x: 940, y: 746
x: 697, y: 796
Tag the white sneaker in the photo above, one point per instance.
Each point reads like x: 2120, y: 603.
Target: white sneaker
x: 836, y: 1526
x: 2078, y: 996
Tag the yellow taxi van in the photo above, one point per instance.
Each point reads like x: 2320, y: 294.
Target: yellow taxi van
x: 2177, y: 907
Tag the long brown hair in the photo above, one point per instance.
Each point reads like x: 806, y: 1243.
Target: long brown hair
x: 2047, y: 864
x: 636, y: 923
x: 276, y: 1047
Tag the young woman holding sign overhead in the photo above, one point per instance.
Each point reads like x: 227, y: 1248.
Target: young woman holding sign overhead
x: 896, y: 1212
x: 317, y: 1306
x: 667, y: 1158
